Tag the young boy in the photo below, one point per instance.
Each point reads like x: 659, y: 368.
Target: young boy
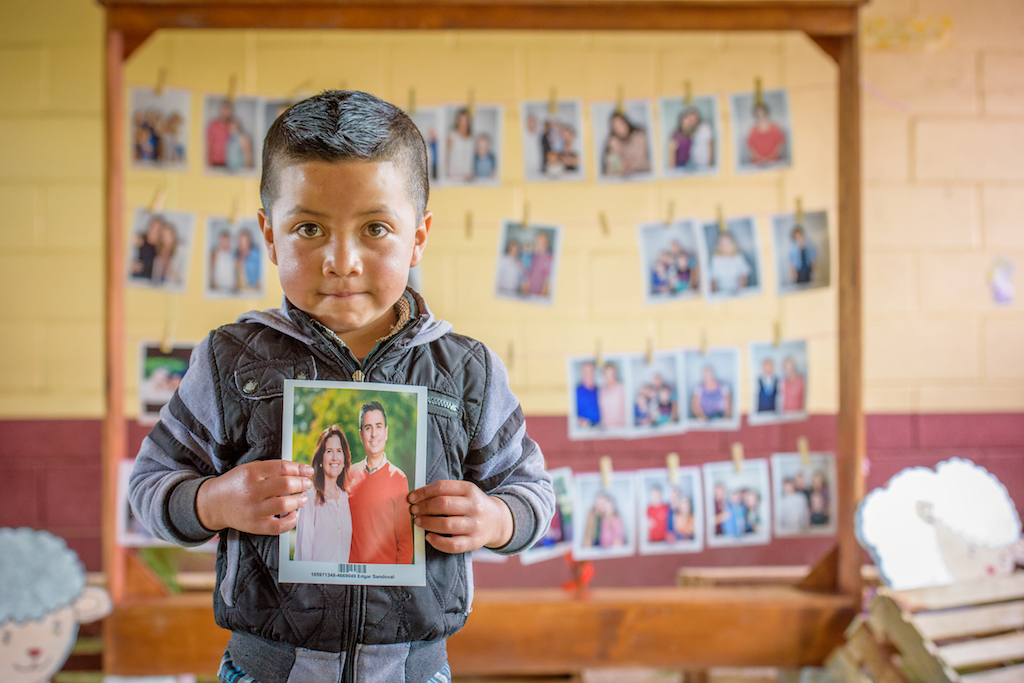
x: 344, y: 217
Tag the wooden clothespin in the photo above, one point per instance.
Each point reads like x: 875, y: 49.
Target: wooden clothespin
x: 722, y: 226
x: 777, y: 334
x: 511, y: 354
x: 526, y: 215
x: 672, y: 462
x: 670, y: 216
x: 161, y: 81
x: 159, y: 197
x: 170, y: 323
x: 232, y: 88
x: 704, y: 343
x: 598, y: 359
x: 737, y: 456
x: 553, y: 102
x: 299, y: 89
x: 687, y: 94
x: 620, y: 102
x: 602, y: 218
x: 804, y: 450
x: 649, y: 356
x: 469, y: 225
x: 606, y: 472
x: 236, y: 210
x: 411, y: 109
x: 471, y: 103
x: 799, y: 219
x: 758, y: 94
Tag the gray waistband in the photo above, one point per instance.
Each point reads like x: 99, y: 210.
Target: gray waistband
x: 269, y: 661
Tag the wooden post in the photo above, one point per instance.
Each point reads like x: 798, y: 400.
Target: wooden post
x: 115, y: 437
x: 851, y: 409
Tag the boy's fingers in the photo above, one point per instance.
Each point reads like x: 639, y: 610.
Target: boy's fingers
x: 446, y: 487
x: 280, y: 505
x: 452, y: 545
x: 268, y: 469
x: 443, y: 505
x: 283, y: 486
x: 459, y: 526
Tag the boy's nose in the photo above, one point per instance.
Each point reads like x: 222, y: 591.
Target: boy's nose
x: 342, y: 258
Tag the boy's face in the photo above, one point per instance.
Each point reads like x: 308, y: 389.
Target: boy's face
x: 344, y: 236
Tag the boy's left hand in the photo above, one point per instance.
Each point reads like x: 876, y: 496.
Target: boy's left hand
x: 468, y: 517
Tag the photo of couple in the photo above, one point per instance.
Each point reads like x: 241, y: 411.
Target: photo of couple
x: 607, y: 527
x: 158, y: 250
x: 357, y: 514
x: 622, y: 140
x: 674, y: 512
x: 527, y: 267
x: 804, y: 494
x: 234, y: 263
x: 779, y: 382
x: 738, y: 509
x: 229, y: 127
x: 551, y: 140
x: 598, y: 404
x: 690, y: 136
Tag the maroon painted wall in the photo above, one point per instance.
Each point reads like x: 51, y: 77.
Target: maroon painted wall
x: 50, y: 479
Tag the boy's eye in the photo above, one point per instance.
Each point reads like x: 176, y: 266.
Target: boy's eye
x: 375, y: 230
x: 309, y: 230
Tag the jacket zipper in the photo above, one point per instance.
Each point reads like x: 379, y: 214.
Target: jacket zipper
x: 450, y: 406
x: 358, y: 373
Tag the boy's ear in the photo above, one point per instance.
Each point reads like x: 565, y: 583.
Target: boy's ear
x: 420, y: 243
x: 268, y: 234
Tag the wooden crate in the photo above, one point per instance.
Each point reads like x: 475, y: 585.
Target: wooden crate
x: 963, y: 633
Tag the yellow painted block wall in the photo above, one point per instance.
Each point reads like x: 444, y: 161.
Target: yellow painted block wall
x: 944, y: 195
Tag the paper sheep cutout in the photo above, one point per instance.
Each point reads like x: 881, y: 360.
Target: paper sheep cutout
x: 932, y: 528
x: 43, y: 599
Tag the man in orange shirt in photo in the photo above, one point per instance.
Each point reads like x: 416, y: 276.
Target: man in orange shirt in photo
x: 381, y: 522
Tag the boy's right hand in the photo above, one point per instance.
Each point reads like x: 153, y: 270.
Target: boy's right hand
x: 258, y: 497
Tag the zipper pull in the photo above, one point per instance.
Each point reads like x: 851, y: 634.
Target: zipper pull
x: 358, y: 376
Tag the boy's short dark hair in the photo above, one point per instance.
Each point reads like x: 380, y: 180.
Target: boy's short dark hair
x: 345, y: 125
x: 369, y: 407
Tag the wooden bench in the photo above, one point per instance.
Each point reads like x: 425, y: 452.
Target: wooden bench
x: 962, y: 633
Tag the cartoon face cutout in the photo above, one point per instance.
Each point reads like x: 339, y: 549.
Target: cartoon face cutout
x: 968, y: 561
x: 33, y: 651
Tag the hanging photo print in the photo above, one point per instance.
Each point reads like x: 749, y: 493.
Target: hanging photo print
x: 689, y: 135
x: 669, y: 261
x: 599, y: 407
x: 552, y: 148
x: 605, y: 522
x: 234, y: 261
x: 159, y: 249
x: 738, y: 509
x: 356, y: 528
x: 671, y: 513
x: 802, y: 256
x: 229, y: 131
x: 428, y: 121
x: 622, y: 140
x: 804, y: 493
x: 160, y: 373
x: 778, y: 377
x: 528, y: 262
x: 654, y: 394
x: 160, y: 128
x: 711, y: 380
x: 730, y: 248
x: 472, y: 145
x: 762, y: 129
x: 269, y: 110
x: 558, y: 539
x: 130, y: 532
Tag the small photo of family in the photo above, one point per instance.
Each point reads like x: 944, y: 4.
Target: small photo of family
x: 160, y: 128
x: 159, y: 248
x: 472, y: 145
x: 528, y: 262
x: 690, y: 135
x: 229, y: 130
x: 356, y: 528
x: 778, y: 376
x: 669, y: 261
x: 674, y: 512
x: 802, y: 256
x: 762, y: 130
x: 654, y: 394
x: 711, y: 381
x: 551, y: 140
x: 234, y: 258
x: 428, y: 121
x: 160, y: 373
x: 558, y: 539
x: 730, y: 250
x: 606, y: 521
x: 737, y: 508
x: 804, y: 494
x: 622, y: 140
x: 598, y: 403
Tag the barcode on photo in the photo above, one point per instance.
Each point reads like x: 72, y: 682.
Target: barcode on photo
x: 352, y: 568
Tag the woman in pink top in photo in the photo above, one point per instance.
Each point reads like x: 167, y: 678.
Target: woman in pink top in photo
x: 540, y: 268
x: 325, y: 524
x: 793, y: 387
x: 611, y: 397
